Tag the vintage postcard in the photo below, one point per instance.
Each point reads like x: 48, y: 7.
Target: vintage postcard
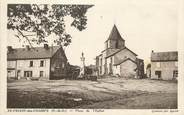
x: 94, y: 57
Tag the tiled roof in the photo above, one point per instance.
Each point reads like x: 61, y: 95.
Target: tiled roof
x: 32, y: 53
x: 122, y: 61
x: 119, y: 51
x: 164, y: 56
x: 114, y: 35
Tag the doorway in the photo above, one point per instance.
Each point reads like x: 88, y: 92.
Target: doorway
x: 18, y: 74
x: 158, y: 74
x: 27, y: 74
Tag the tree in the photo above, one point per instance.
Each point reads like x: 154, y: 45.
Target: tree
x: 148, y: 66
x: 44, y: 20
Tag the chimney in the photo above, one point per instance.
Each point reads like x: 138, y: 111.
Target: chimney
x: 27, y: 47
x: 46, y: 46
x: 10, y: 48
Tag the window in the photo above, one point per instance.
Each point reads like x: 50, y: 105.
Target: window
x: 41, y: 63
x: 31, y: 64
x: 105, y: 68
x: 175, y: 74
x: 41, y: 73
x: 158, y: 64
x: 9, y: 63
x: 101, y: 61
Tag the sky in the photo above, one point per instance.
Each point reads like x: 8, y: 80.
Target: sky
x: 145, y: 25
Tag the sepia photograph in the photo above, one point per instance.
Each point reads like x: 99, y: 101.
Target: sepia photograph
x: 116, y: 55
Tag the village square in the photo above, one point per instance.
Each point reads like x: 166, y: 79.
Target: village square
x: 119, y: 78
x: 44, y: 78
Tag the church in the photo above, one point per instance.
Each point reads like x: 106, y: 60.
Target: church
x: 117, y: 59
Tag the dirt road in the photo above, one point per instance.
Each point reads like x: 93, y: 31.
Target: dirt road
x: 106, y: 93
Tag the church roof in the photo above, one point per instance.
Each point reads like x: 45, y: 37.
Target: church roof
x: 112, y: 54
x: 114, y: 35
x: 122, y: 61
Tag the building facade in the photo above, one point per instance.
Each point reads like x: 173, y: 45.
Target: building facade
x: 164, y: 65
x: 38, y: 62
x: 117, y: 59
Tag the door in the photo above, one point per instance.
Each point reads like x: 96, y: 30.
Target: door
x: 18, y: 74
x: 28, y: 74
x: 41, y: 73
x: 158, y: 74
x: 110, y: 66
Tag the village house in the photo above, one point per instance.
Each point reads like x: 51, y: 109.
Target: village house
x: 37, y: 62
x: 117, y: 59
x: 164, y: 65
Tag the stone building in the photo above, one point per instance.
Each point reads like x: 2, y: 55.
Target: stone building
x: 38, y: 62
x: 117, y: 59
x: 164, y: 65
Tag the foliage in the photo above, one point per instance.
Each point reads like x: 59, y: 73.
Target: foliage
x: 148, y: 66
x: 44, y: 20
